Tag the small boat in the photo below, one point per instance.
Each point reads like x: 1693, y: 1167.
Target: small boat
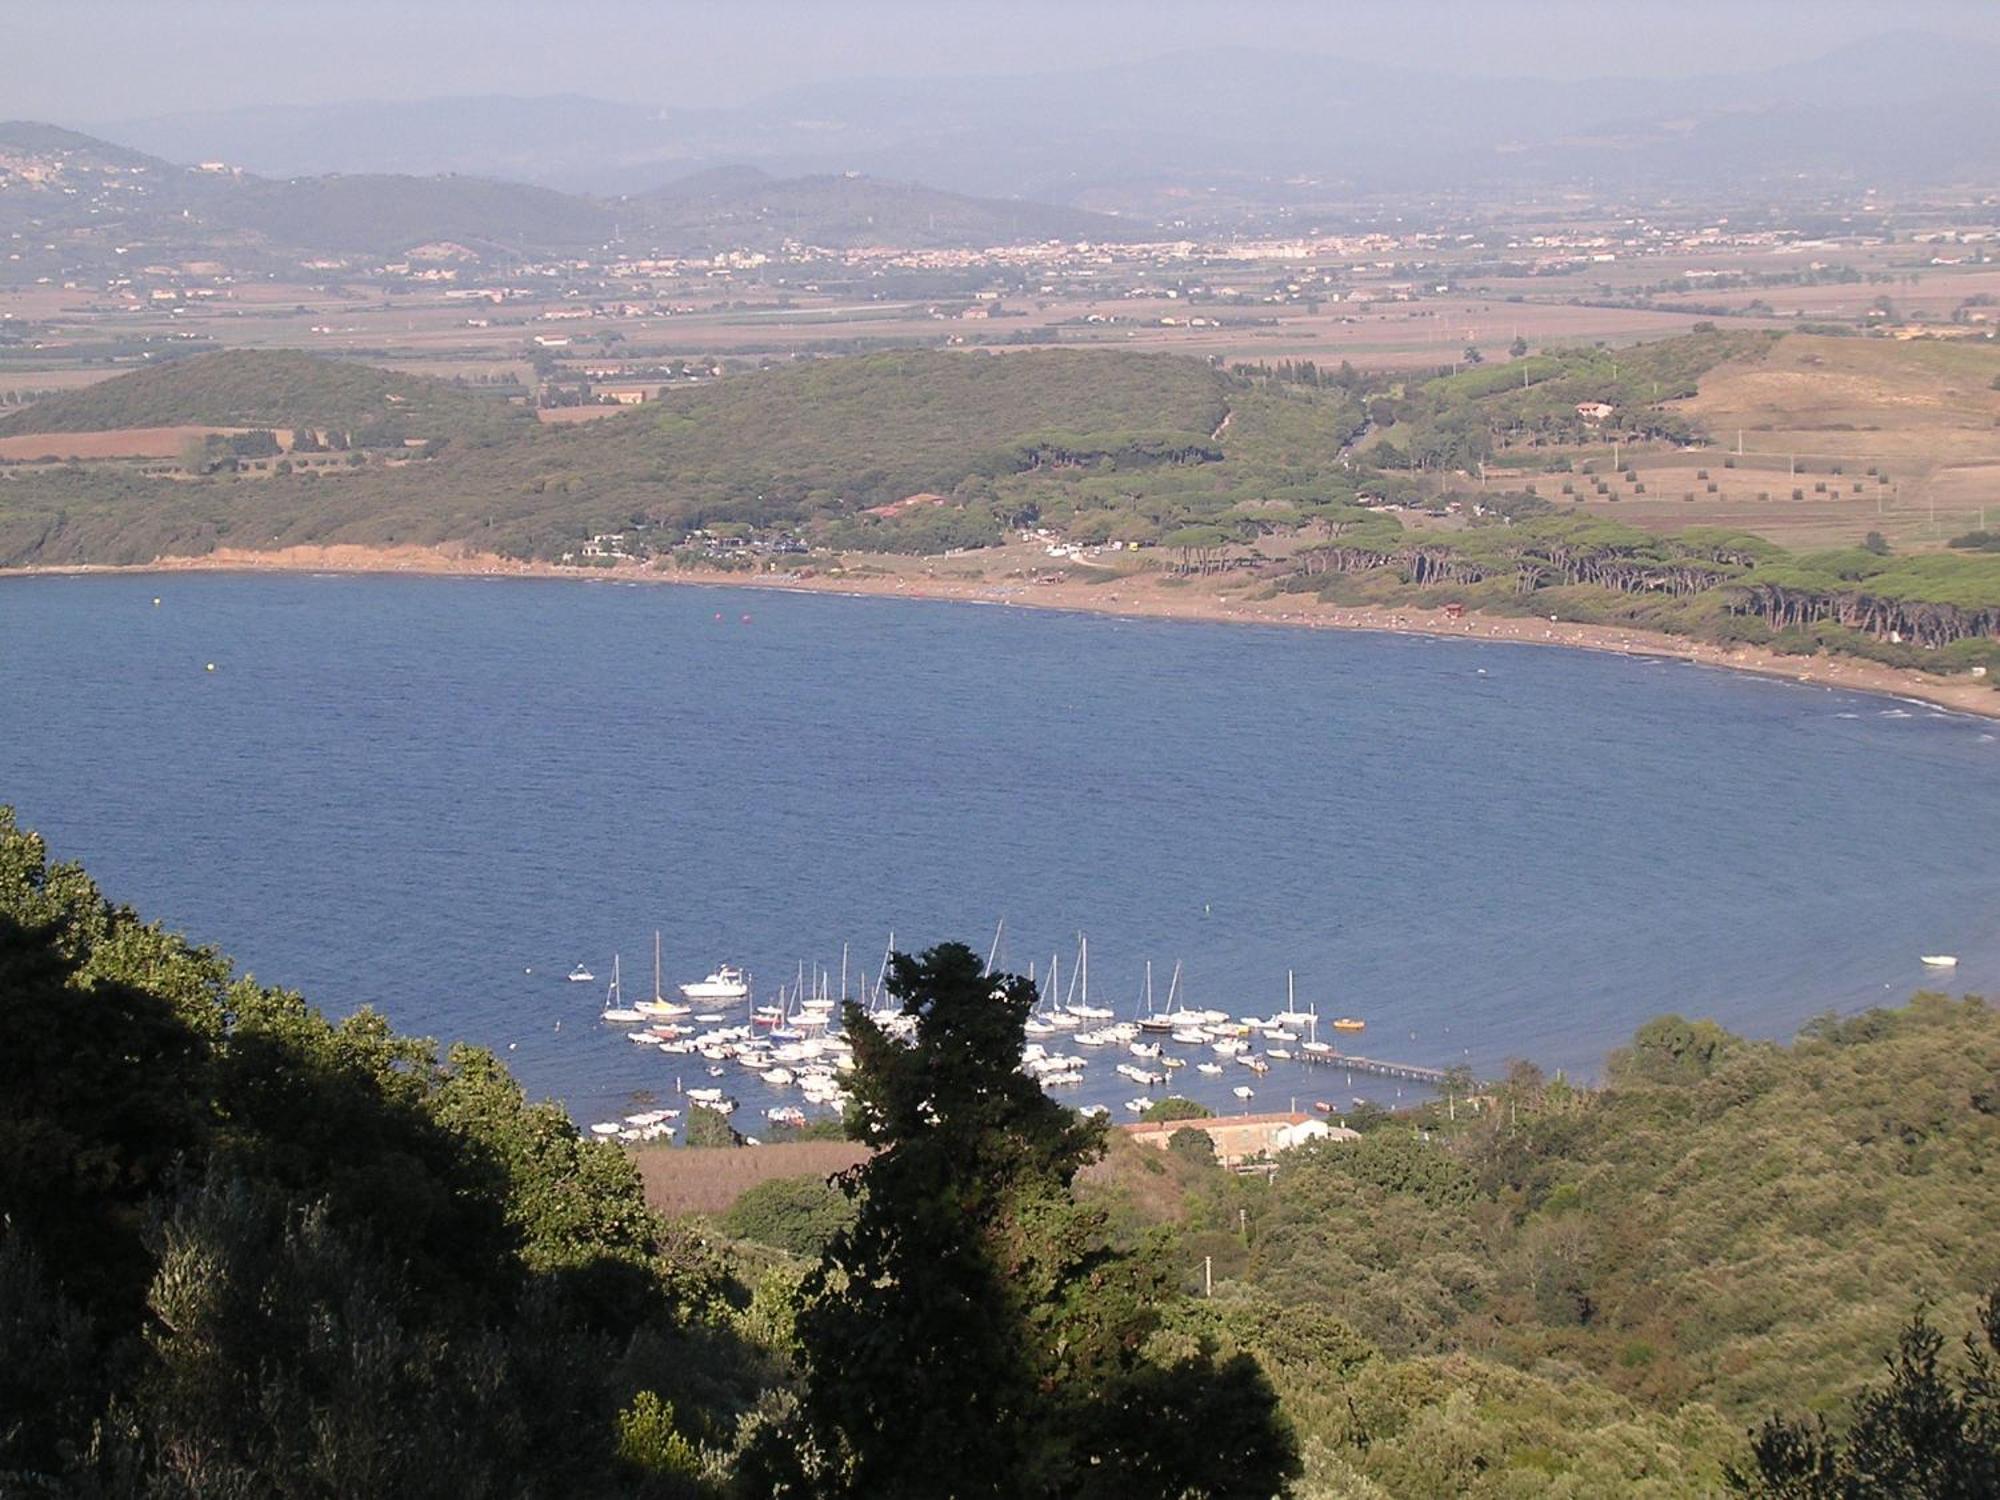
x: 1350, y: 1023
x: 1138, y: 1106
x: 1242, y: 1091
x: 1210, y: 1069
x: 623, y: 1015
x: 1940, y: 960
x: 606, y: 1127
x: 580, y: 975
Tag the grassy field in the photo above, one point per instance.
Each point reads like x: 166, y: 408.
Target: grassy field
x: 707, y: 1180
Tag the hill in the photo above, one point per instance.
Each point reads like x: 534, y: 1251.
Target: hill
x: 741, y: 206
x: 1559, y: 1291
x: 387, y: 214
x: 277, y: 389
x: 779, y: 448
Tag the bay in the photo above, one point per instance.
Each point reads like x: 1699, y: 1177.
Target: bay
x: 435, y: 795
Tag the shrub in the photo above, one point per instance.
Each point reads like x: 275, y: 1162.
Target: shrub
x: 795, y: 1214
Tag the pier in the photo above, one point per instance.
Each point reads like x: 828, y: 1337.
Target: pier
x: 1413, y: 1071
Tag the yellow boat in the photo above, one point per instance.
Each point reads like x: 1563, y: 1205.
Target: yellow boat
x: 1348, y: 1023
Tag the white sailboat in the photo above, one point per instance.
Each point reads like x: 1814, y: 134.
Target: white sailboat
x: 615, y: 1008
x: 1083, y: 1009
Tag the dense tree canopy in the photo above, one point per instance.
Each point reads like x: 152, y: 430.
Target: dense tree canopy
x: 975, y: 1331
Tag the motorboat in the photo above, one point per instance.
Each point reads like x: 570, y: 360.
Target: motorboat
x: 726, y: 983
x: 1243, y: 1091
x: 1350, y: 1023
x: 580, y: 975
x: 1940, y: 960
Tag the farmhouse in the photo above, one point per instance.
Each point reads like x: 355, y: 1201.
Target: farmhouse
x: 1594, y: 411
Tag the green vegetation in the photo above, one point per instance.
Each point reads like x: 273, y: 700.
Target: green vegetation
x: 1927, y: 1431
x: 929, y: 452
x: 1603, y: 1292
x: 1937, y: 611
x: 975, y: 1331
x: 248, y: 1250
x: 779, y: 449
x: 1175, y: 1107
x: 353, y: 403
x: 1457, y: 421
x: 798, y: 1215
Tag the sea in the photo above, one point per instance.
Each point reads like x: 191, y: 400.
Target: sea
x: 437, y: 796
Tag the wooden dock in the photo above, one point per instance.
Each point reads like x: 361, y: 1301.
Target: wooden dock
x: 1372, y: 1065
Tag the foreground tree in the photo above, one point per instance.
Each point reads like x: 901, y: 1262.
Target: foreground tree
x: 975, y: 1332
x: 1929, y: 1433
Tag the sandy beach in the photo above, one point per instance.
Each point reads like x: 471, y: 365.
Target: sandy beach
x: 1142, y: 595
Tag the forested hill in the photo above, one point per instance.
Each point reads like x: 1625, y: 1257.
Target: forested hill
x: 1554, y: 1290
x: 777, y: 448
x: 271, y: 388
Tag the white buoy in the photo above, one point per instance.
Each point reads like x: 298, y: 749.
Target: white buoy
x: 211, y: 666
x: 156, y: 602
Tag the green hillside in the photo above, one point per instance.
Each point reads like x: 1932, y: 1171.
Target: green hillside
x: 1564, y: 1291
x: 271, y: 389
x: 785, y: 447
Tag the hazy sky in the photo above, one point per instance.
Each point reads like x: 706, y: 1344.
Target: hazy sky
x: 90, y: 61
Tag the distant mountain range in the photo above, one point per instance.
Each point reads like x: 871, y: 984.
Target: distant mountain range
x: 54, y: 179
x: 1904, y: 107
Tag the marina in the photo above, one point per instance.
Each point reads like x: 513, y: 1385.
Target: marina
x: 789, y: 1046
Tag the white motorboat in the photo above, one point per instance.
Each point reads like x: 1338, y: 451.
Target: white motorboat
x: 1940, y: 960
x: 1243, y: 1091
x: 580, y: 975
x: 1208, y: 1069
x: 726, y: 983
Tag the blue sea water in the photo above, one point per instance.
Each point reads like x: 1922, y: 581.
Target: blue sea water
x: 434, y: 796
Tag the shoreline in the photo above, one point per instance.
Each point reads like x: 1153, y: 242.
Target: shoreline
x: 1144, y: 596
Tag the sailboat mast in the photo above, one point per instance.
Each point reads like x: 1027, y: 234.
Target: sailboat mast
x: 656, y: 965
